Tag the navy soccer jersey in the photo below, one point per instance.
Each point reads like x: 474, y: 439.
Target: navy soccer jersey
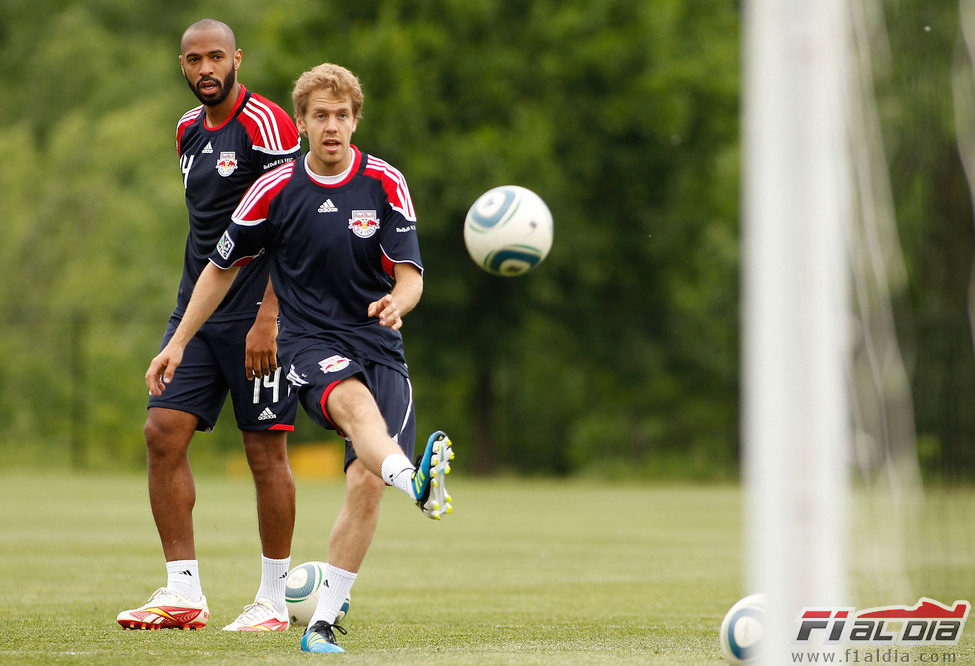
x: 218, y: 165
x: 332, y: 245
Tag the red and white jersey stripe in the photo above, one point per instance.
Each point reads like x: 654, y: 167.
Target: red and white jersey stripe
x: 394, y: 184
x: 263, y: 122
x: 253, y: 208
x: 185, y: 121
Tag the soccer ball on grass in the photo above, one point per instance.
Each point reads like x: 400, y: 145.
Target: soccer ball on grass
x: 508, y: 230
x: 301, y: 593
x: 742, y: 630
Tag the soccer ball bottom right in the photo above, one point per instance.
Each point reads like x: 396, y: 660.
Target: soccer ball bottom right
x: 743, y: 629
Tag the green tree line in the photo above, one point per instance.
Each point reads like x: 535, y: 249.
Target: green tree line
x: 619, y: 354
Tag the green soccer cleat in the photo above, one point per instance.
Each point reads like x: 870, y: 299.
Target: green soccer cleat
x: 428, y: 479
x: 319, y: 638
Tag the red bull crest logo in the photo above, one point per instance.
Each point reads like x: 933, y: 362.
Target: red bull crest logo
x: 227, y: 163
x: 333, y: 364
x: 364, y: 223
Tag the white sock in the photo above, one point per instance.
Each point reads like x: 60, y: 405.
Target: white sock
x: 335, y: 588
x: 274, y: 573
x: 183, y: 578
x: 397, y: 471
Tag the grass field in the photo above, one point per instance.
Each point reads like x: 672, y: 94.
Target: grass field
x: 523, y: 572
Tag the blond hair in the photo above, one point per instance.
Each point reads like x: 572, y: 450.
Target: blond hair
x: 329, y: 76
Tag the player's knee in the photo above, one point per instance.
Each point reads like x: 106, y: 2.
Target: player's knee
x: 261, y: 461
x: 167, y: 437
x: 266, y: 454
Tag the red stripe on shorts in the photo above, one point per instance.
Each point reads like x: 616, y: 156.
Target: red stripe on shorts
x: 328, y: 389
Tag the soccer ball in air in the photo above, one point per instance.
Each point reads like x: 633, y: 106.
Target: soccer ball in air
x: 742, y: 630
x: 508, y: 230
x: 301, y: 593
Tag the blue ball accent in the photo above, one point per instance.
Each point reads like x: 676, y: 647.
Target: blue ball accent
x: 492, y: 220
x: 312, y: 581
x: 743, y: 652
x: 523, y: 257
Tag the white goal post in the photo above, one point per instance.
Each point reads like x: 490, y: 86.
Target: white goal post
x: 796, y: 215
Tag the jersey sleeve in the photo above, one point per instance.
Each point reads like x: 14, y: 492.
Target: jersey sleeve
x: 398, y: 239
x: 238, y: 245
x: 249, y: 231
x: 272, y: 131
x: 185, y: 121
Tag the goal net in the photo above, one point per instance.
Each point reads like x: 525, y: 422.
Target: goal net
x: 858, y: 130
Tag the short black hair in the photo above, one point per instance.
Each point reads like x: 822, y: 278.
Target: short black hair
x: 211, y: 24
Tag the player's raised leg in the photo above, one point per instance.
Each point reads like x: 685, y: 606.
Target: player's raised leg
x: 353, y: 409
x: 428, y: 483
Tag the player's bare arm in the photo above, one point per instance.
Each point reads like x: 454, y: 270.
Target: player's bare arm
x: 213, y: 285
x: 406, y: 293
x: 261, y: 349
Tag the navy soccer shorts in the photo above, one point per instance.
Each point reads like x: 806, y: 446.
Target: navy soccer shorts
x: 318, y: 367
x: 212, y: 367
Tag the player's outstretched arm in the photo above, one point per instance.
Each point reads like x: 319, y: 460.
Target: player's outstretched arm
x: 406, y: 293
x: 213, y: 285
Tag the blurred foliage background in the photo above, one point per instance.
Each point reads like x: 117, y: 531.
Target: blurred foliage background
x: 617, y: 356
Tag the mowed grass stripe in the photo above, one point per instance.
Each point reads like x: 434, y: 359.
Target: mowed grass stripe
x: 522, y: 572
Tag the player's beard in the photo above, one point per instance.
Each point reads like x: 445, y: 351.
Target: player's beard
x: 225, y: 87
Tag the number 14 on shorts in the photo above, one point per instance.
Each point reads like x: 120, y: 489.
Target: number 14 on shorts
x: 271, y: 382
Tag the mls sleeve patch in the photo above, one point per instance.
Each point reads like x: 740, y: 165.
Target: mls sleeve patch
x: 225, y: 246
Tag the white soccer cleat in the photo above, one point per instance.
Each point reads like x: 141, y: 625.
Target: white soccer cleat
x: 428, y: 479
x: 259, y: 616
x: 166, y: 610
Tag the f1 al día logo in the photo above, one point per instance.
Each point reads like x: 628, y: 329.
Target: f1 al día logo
x: 928, y: 622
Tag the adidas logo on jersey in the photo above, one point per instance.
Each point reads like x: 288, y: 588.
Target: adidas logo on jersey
x: 267, y: 414
x: 207, y: 149
x: 327, y: 207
